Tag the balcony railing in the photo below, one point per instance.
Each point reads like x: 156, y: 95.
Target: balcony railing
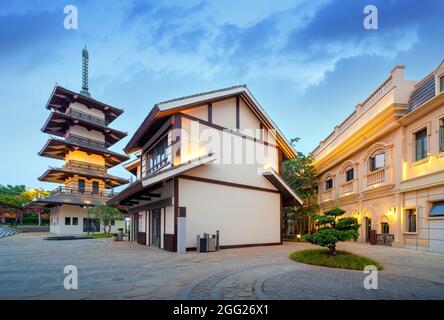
x: 385, y: 239
x: 375, y: 177
x: 347, y: 187
x: 86, y: 192
x: 327, y: 195
x: 86, y: 141
x: 84, y: 165
x: 85, y: 116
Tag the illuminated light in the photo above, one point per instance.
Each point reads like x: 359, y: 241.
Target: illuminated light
x: 191, y: 153
x: 404, y: 170
x: 392, y: 210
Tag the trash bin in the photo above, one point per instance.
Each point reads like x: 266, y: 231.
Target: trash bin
x: 120, y: 234
x: 211, y: 245
x: 201, y: 244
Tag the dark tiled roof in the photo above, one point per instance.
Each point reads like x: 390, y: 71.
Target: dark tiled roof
x: 59, y: 174
x: 61, y: 96
x: 58, y: 124
x: 80, y: 200
x: 202, y: 93
x: 423, y: 92
x: 52, y: 150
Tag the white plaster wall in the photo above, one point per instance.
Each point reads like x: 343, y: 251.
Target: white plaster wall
x: 83, y: 108
x: 242, y: 216
x: 241, y: 174
x: 248, y: 121
x: 224, y: 113
x: 58, y: 215
x: 240, y: 159
x: 90, y: 134
x: 198, y: 112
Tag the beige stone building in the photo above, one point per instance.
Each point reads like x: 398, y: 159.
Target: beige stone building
x: 384, y: 164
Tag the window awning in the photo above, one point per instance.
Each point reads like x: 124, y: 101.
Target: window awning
x: 290, y: 197
x: 437, y: 209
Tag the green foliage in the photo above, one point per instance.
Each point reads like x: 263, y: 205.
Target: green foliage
x: 101, y: 235
x: 12, y: 199
x: 300, y: 174
x: 106, y: 215
x: 343, y: 259
x: 332, y: 229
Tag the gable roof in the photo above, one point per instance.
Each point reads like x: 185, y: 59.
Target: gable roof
x: 169, y: 107
x: 290, y: 197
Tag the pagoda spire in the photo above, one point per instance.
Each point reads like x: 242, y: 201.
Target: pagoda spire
x: 85, y: 62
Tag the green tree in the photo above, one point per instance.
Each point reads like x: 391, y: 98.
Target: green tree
x: 300, y: 175
x: 106, y: 215
x: 12, y: 199
x: 333, y: 229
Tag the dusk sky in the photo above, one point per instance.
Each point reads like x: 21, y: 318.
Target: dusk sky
x: 308, y: 63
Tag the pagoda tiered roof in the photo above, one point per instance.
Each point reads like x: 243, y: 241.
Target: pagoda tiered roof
x: 58, y: 124
x: 61, y: 98
x: 77, y: 168
x: 63, y: 195
x: 58, y: 148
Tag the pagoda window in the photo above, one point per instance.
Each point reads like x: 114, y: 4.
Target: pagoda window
x: 81, y: 185
x: 95, y: 187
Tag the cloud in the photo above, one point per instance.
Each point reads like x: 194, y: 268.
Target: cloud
x: 299, y: 42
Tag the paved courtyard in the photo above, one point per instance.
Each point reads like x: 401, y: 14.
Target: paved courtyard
x: 32, y: 268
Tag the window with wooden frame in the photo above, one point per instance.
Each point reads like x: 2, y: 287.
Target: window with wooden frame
x: 421, y: 144
x: 95, y: 187
x: 81, y: 185
x: 158, y: 156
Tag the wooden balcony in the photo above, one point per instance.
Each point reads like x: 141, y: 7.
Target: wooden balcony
x: 85, y: 141
x: 84, y: 165
x: 87, y: 192
x: 85, y: 116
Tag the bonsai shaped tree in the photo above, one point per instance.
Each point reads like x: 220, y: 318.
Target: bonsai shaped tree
x: 333, y: 229
x: 105, y: 215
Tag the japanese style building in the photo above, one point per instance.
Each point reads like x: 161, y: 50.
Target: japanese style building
x: 206, y: 163
x: 80, y: 136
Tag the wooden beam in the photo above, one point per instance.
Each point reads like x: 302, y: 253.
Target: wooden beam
x: 237, y: 112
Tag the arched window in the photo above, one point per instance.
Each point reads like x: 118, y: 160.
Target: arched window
x: 376, y: 156
x: 376, y: 161
x: 328, y: 182
x: 349, y: 174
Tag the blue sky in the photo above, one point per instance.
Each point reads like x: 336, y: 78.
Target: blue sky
x: 308, y: 62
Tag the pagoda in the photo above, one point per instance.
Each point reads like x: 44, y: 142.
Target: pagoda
x: 80, y: 136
